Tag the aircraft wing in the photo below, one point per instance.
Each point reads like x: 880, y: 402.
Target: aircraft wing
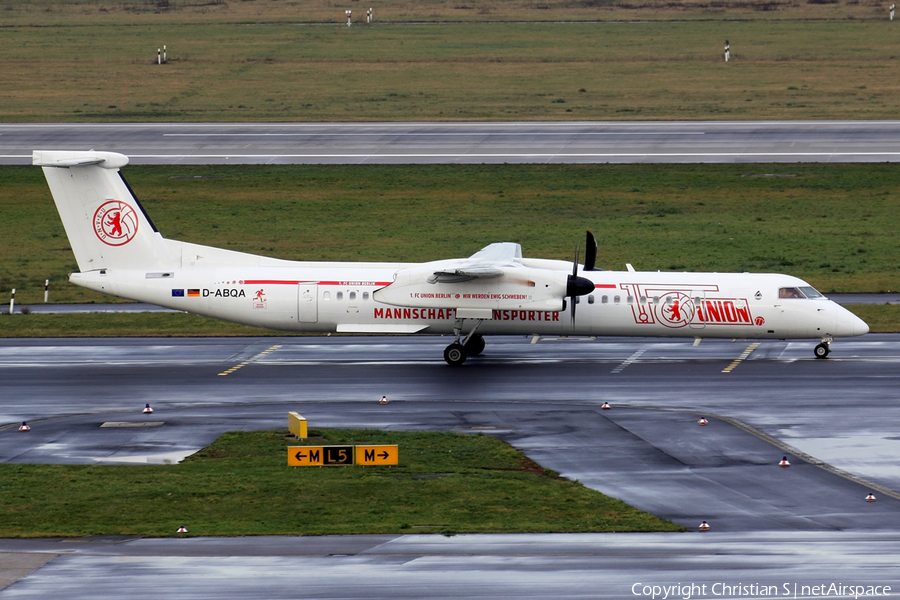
x: 491, y: 279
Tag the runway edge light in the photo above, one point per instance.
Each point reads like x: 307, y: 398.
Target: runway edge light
x: 702, y: 421
x: 605, y: 406
x: 297, y: 425
x: 24, y: 427
x: 147, y: 410
x: 704, y: 526
x: 870, y: 497
x: 784, y: 462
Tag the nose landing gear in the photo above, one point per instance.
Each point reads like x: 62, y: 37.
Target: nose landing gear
x: 823, y: 349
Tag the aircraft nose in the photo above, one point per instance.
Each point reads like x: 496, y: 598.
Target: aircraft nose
x: 847, y: 324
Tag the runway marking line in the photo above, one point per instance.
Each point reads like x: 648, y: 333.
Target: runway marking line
x: 742, y: 357
x: 249, y: 360
x: 631, y: 359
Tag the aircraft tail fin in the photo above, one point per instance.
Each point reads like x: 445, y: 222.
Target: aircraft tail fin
x: 106, y: 225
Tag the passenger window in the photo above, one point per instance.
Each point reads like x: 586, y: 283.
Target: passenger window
x: 604, y: 299
x: 326, y: 296
x: 590, y: 299
x: 353, y: 295
x: 629, y: 299
x: 616, y: 299
x: 790, y: 293
x: 365, y: 295
x: 339, y: 296
x: 655, y: 299
x: 643, y: 299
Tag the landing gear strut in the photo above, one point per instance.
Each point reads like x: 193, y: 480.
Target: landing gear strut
x: 822, y: 349
x: 456, y: 353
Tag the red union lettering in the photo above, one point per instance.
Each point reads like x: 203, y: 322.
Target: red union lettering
x: 414, y: 313
x: 524, y: 315
x: 715, y: 312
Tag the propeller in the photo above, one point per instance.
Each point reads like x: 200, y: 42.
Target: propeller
x: 590, y: 252
x: 577, y: 286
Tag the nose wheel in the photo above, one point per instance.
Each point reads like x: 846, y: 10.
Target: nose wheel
x: 822, y: 350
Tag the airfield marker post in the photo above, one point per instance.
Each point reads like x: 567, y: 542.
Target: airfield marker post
x: 370, y: 16
x: 349, y: 14
x: 165, y: 55
x: 12, y: 301
x: 46, y: 291
x: 892, y: 11
x: 727, y: 50
x: 158, y: 56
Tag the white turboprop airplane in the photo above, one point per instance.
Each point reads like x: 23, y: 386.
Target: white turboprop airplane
x: 494, y: 291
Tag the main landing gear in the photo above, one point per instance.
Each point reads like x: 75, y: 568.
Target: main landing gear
x: 822, y: 349
x: 456, y: 353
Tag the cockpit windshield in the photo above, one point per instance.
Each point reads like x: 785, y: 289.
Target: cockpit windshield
x: 800, y: 292
x: 790, y: 293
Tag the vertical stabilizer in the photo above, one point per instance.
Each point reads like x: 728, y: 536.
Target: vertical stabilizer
x: 106, y: 225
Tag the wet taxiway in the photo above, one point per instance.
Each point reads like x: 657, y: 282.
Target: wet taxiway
x: 834, y: 418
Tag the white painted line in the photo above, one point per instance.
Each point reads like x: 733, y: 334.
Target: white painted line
x: 631, y: 359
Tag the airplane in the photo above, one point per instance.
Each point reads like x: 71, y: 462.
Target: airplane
x: 495, y: 291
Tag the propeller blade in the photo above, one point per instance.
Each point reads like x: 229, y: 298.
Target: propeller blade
x: 590, y: 252
x: 577, y: 286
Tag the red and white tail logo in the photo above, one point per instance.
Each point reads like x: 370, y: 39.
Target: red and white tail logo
x: 115, y: 223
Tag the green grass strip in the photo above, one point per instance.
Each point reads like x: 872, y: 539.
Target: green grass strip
x: 241, y: 485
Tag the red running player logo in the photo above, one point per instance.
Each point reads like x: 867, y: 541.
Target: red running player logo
x: 115, y: 223
x: 259, y: 299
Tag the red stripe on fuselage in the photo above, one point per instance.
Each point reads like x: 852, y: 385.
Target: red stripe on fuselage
x: 290, y: 282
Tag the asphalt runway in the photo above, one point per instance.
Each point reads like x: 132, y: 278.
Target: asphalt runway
x: 835, y: 419
x: 467, y: 143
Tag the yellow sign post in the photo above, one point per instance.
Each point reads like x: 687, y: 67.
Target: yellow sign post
x: 305, y: 456
x: 325, y: 456
x: 377, y: 455
x: 297, y: 425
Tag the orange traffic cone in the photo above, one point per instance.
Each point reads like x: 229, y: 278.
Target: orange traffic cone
x: 704, y: 526
x: 383, y: 400
x: 147, y: 410
x: 182, y: 529
x: 702, y: 421
x: 605, y: 406
x: 870, y: 497
x: 784, y: 462
x: 24, y: 427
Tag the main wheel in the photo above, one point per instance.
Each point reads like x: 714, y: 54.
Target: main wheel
x: 822, y: 350
x: 455, y: 354
x: 475, y: 345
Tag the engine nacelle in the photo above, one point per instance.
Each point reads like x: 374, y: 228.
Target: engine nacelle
x: 517, y: 288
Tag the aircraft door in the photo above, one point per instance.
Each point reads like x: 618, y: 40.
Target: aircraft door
x: 697, y: 297
x: 308, y: 302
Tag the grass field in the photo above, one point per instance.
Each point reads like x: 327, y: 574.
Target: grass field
x: 832, y: 225
x: 255, y: 61
x: 241, y: 485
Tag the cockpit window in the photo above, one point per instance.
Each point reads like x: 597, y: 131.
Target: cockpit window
x: 790, y: 293
x: 811, y: 292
